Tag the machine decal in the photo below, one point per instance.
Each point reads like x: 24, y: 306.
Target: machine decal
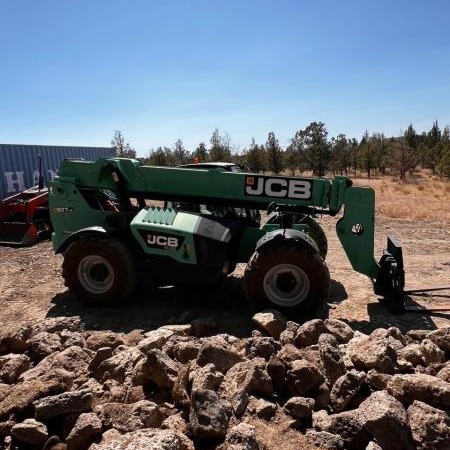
x: 261, y: 186
x: 60, y: 209
x: 165, y: 241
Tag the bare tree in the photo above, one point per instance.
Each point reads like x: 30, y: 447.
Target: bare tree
x: 123, y: 150
x: 179, y: 152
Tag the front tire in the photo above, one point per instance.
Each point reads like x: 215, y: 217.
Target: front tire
x: 99, y: 271
x: 315, y: 230
x: 289, y: 278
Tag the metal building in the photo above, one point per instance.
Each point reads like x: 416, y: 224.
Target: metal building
x: 20, y: 164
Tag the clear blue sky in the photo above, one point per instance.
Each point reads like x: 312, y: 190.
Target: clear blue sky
x: 73, y: 71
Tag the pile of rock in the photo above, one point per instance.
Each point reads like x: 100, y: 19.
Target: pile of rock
x: 174, y: 388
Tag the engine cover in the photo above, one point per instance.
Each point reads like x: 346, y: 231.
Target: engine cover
x: 189, y: 238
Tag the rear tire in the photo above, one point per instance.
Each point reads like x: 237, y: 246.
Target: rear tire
x: 292, y: 279
x: 99, y: 271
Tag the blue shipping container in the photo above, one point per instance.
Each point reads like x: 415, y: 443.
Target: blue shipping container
x: 19, y: 164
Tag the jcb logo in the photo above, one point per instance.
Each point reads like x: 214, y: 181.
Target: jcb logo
x: 162, y: 241
x: 278, y: 187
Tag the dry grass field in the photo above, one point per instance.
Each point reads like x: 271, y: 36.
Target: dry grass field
x: 422, y: 197
x: 417, y: 213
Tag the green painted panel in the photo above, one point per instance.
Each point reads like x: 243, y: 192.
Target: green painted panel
x: 165, y: 232
x: 356, y: 229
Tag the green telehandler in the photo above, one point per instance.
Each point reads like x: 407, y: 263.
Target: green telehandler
x: 115, y: 217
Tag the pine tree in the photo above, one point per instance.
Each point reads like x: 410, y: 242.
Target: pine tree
x: 366, y: 153
x: 411, y: 137
x: 201, y: 152
x: 157, y: 157
x: 290, y: 159
x: 432, y: 151
x: 403, y: 158
x: 340, y: 154
x: 443, y: 165
x: 313, y: 147
x: 354, y: 147
x: 274, y: 154
x: 380, y: 152
x: 220, y: 147
x: 255, y: 157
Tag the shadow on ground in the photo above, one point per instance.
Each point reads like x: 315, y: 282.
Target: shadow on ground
x: 337, y: 292
x: 416, y: 317
x: 226, y: 307
x: 151, y: 308
x: 380, y: 317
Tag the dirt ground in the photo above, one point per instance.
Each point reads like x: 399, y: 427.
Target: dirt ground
x: 31, y: 289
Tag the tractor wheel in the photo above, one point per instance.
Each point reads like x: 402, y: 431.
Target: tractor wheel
x: 293, y: 280
x: 99, y: 271
x: 316, y: 231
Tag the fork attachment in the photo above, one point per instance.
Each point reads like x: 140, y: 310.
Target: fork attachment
x: 390, y: 282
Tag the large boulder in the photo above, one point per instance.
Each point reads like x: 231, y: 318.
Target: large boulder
x: 157, y: 369
x: 119, y: 365
x: 386, y: 420
x: 73, y: 359
x: 346, y: 424
x: 219, y: 353
x: 430, y: 427
x: 129, y: 417
x: 240, y: 437
x: 146, y: 439
x: 12, y: 366
x: 345, y: 389
x: 441, y: 337
x: 376, y: 351
x: 82, y: 434
x: 302, y: 377
x: 249, y: 375
x: 271, y: 321
x: 308, y: 333
x: 332, y: 361
x: 30, y: 431
x: 422, y: 387
x: 208, y: 418
x: 65, y: 403
x: 339, y: 329
x: 22, y: 395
